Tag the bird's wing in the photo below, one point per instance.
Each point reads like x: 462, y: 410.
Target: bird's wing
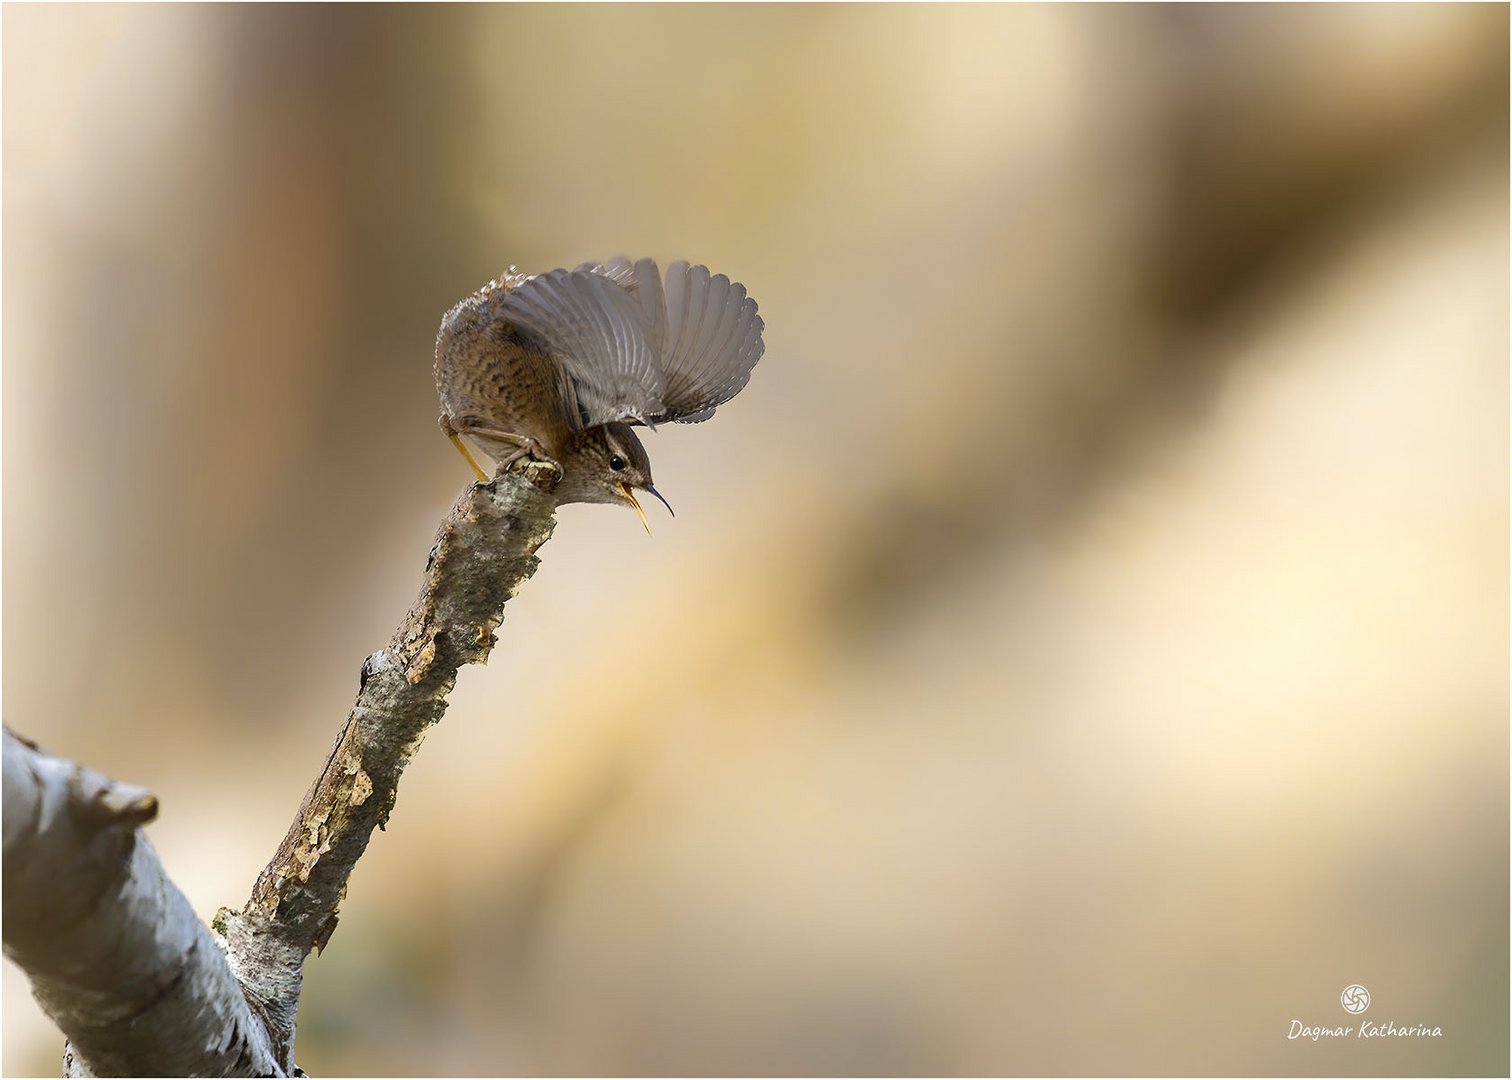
x: 641, y: 348
x: 708, y: 336
x: 642, y: 280
x: 597, y: 330
x: 619, y: 270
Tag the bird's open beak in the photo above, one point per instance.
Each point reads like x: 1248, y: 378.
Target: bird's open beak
x: 664, y: 502
x: 633, y: 501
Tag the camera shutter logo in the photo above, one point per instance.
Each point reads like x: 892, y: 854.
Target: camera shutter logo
x: 1355, y: 999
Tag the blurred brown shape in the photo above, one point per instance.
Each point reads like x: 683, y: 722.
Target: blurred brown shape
x: 1082, y: 650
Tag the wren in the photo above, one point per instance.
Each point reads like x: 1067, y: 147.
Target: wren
x: 560, y: 367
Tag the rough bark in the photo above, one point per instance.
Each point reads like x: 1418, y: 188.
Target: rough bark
x: 485, y: 550
x: 115, y: 953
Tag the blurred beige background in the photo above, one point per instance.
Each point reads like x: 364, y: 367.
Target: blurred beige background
x: 1081, y: 649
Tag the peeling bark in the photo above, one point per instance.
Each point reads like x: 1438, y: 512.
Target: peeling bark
x: 115, y: 953
x: 484, y: 552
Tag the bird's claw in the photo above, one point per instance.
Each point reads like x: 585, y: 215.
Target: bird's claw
x: 529, y: 464
x: 525, y: 448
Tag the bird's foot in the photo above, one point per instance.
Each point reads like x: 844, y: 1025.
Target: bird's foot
x: 543, y: 473
x: 525, y: 448
x: 529, y: 459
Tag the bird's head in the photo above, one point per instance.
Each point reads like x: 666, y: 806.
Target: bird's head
x: 607, y: 464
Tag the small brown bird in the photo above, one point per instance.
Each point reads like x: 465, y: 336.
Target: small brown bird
x: 557, y: 367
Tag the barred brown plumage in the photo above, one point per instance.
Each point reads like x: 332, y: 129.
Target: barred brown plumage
x: 557, y: 367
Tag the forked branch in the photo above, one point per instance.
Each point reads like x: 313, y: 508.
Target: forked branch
x: 73, y: 851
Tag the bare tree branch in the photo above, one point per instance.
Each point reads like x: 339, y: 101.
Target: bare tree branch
x: 485, y: 550
x: 115, y: 953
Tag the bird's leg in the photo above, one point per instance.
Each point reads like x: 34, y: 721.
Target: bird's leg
x: 456, y: 440
x: 524, y: 444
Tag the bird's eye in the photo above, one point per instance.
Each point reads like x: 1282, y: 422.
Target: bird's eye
x: 616, y: 462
